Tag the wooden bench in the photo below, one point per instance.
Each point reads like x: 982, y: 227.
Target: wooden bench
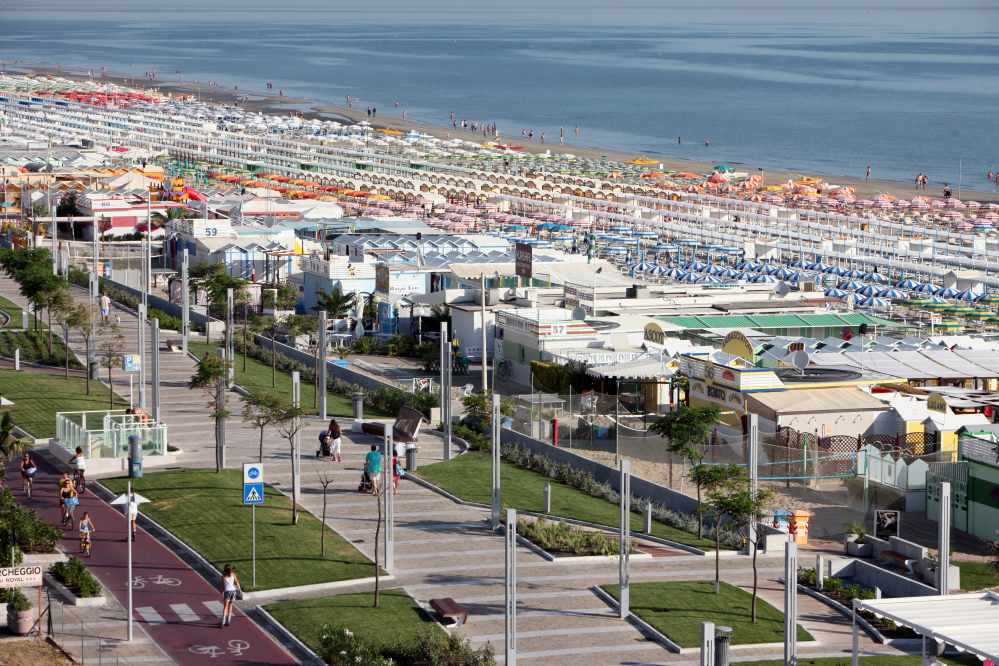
x: 405, y: 429
x: 449, y: 609
x: 175, y: 345
x: 899, y: 558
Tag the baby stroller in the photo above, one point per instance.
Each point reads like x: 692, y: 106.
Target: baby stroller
x: 365, y: 486
x: 324, y: 451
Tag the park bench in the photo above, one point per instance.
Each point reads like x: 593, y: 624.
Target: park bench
x: 175, y: 345
x: 405, y: 429
x: 899, y: 558
x: 449, y: 609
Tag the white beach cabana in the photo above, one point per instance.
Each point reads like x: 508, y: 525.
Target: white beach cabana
x: 969, y: 622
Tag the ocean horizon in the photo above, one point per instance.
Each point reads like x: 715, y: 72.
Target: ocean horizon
x: 901, y: 89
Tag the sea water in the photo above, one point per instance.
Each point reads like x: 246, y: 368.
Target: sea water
x: 902, y: 89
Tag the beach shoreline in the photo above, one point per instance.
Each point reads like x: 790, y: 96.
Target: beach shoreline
x: 270, y: 103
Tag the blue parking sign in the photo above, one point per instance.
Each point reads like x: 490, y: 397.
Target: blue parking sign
x: 131, y: 363
x: 253, y: 493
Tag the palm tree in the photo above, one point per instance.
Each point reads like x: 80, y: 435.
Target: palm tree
x: 159, y: 220
x: 10, y: 446
x: 337, y: 304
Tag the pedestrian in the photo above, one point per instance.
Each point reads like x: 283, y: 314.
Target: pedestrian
x: 397, y: 104
x: 990, y: 175
x: 333, y: 434
x: 530, y: 135
x: 133, y: 505
x: 946, y: 192
x: 369, y: 112
x: 452, y: 115
x: 577, y: 130
x: 542, y: 137
x: 397, y: 472
x: 679, y: 140
x: 105, y: 308
x: 374, y: 112
x: 868, y: 173
x: 705, y: 142
x: 348, y: 101
x: 926, y: 179
x: 231, y: 590
x: 280, y: 93
x: 523, y: 134
x: 373, y: 464
x: 561, y: 141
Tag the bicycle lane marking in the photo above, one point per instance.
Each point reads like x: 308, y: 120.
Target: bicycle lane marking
x: 161, y: 580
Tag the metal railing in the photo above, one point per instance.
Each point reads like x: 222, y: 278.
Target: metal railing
x: 104, y: 434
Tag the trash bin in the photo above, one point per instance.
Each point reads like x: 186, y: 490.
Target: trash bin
x: 411, y: 457
x: 358, y: 405
x: 95, y: 370
x: 134, y: 457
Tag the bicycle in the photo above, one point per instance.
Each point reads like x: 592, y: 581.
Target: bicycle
x: 27, y: 481
x: 85, y: 543
x: 68, y: 505
x: 80, y: 481
x: 505, y: 368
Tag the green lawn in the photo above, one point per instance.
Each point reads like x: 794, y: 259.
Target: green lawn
x: 37, y: 397
x: 886, y: 660
x: 34, y: 348
x: 397, y: 615
x: 973, y: 576
x: 16, y: 313
x: 258, y: 377
x: 468, y: 477
x: 205, y: 510
x: 676, y: 609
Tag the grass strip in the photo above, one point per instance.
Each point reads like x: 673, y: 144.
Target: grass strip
x: 205, y: 510
x: 974, y: 577
x: 34, y: 348
x: 676, y: 609
x: 16, y: 314
x: 257, y: 377
x: 467, y: 477
x: 397, y: 615
x: 38, y: 396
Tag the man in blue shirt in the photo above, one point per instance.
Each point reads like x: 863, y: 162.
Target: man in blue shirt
x: 373, y: 463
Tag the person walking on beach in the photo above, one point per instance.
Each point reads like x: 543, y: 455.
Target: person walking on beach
x: 926, y: 179
x: 679, y: 140
x: 868, y: 173
x: 374, y: 112
x: 348, y: 101
x: 577, y: 130
x: 542, y: 137
x: 919, y: 179
x: 369, y: 112
x: 523, y: 134
x: 455, y: 123
x: 530, y: 135
x: 706, y: 143
x: 230, y: 590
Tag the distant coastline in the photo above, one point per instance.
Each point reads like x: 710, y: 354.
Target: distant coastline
x: 271, y: 103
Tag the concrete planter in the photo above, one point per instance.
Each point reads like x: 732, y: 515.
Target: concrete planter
x: 859, y: 549
x: 20, y: 623
x: 72, y: 598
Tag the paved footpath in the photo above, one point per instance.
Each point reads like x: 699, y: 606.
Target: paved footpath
x: 175, y: 606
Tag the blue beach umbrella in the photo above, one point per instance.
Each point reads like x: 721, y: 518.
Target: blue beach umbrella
x: 906, y: 284
x: 851, y: 285
x: 853, y: 274
x: 835, y: 293
x: 676, y: 273
x: 925, y: 289
x: 948, y: 292
x: 875, y: 303
x: 891, y: 293
x: 969, y: 295
x: 875, y: 277
x: 869, y: 290
x: 764, y: 278
x: 821, y: 268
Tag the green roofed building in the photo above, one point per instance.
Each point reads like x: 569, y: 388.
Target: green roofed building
x: 818, y: 326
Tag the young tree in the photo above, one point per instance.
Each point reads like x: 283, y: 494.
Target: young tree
x: 109, y: 351
x: 281, y: 299
x: 271, y: 326
x: 38, y: 285
x: 57, y: 302
x: 717, y: 481
x: 262, y: 408
x: 289, y: 422
x: 212, y: 377
x: 325, y: 472
x: 64, y: 308
x: 745, y: 508
x: 81, y: 318
x: 684, y: 430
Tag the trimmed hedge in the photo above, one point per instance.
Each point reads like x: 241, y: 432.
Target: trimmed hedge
x: 77, y: 578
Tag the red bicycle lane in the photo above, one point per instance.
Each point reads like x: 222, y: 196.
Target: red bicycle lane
x: 177, y: 608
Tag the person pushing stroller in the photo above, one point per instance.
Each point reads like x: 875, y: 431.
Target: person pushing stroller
x: 329, y: 442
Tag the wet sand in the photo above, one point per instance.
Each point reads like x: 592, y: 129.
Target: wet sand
x: 270, y: 102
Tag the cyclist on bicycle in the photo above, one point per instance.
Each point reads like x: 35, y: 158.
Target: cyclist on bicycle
x: 66, y: 490
x: 79, y: 463
x: 28, y: 468
x: 86, y: 528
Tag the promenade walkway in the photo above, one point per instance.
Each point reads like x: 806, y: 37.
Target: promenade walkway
x: 443, y: 549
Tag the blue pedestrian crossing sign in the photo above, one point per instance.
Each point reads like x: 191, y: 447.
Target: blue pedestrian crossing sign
x: 253, y: 493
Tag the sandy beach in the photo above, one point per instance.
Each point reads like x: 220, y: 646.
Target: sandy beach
x: 272, y: 103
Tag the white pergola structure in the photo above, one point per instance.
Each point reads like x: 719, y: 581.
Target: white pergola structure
x: 969, y: 622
